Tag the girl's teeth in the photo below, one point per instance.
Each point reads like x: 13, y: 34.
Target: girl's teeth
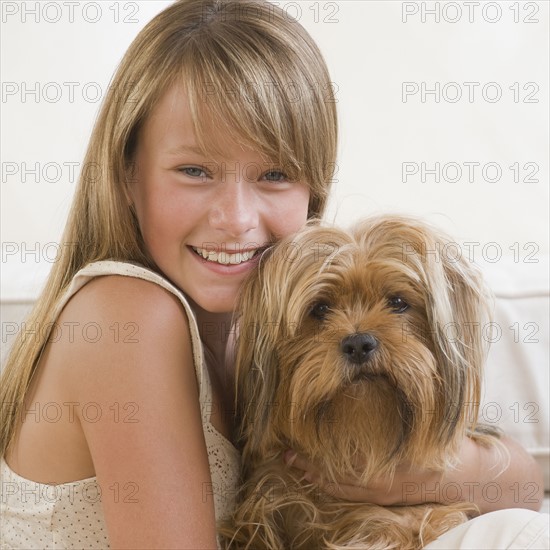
x: 225, y: 258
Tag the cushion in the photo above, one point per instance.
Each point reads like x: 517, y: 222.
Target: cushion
x: 515, y: 393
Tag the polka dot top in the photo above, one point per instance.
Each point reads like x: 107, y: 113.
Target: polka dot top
x: 70, y: 515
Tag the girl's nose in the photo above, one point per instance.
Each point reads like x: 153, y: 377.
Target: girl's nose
x: 235, y: 210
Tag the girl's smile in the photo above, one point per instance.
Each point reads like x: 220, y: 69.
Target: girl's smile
x: 226, y: 262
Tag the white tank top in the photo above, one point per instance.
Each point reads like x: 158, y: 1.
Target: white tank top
x: 70, y: 515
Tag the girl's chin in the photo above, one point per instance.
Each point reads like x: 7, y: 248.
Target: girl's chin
x: 214, y: 304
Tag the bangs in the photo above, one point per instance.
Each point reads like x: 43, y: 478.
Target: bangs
x: 239, y: 94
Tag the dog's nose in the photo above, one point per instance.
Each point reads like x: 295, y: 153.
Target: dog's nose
x: 357, y: 347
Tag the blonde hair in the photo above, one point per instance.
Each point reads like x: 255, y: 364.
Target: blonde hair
x: 243, y: 62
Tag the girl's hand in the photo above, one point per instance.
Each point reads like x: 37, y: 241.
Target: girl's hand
x: 482, y: 476
x: 408, y: 486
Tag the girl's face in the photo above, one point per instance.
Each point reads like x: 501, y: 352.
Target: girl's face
x: 190, y: 206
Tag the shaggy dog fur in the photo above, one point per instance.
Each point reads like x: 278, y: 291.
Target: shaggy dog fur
x: 362, y: 351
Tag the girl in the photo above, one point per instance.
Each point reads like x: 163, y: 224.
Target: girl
x: 207, y: 156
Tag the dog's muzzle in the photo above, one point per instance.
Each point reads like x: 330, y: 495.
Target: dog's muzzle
x: 358, y: 347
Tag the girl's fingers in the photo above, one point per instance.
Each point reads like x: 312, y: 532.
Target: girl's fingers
x: 383, y: 492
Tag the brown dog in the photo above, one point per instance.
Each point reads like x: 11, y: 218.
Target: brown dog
x: 357, y: 349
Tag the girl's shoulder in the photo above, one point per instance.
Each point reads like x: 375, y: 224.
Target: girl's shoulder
x: 129, y: 271
x: 123, y: 293
x: 120, y: 284
x: 111, y: 313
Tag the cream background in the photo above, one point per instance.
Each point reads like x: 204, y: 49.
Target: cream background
x: 370, y: 52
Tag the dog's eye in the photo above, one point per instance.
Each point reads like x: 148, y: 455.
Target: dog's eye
x: 397, y: 304
x: 320, y: 310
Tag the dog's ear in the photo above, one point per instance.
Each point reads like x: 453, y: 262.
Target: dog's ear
x: 458, y: 312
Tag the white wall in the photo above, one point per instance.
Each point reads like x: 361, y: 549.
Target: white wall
x: 372, y: 48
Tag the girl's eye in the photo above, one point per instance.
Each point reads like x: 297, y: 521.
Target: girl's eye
x: 193, y: 171
x: 397, y: 304
x: 275, y: 175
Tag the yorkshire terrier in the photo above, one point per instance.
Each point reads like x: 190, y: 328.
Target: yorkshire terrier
x: 358, y: 347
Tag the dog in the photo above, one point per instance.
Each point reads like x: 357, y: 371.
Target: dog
x: 355, y: 347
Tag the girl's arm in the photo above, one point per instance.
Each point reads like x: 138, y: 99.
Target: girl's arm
x: 476, y: 479
x: 493, y: 483
x: 150, y: 459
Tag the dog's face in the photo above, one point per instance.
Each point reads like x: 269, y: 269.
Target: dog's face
x: 361, y: 349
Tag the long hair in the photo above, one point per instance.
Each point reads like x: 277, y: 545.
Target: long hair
x: 244, y: 64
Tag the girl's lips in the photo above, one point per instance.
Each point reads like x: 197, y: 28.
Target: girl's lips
x: 225, y: 269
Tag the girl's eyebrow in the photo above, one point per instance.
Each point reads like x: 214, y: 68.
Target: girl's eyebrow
x: 184, y: 149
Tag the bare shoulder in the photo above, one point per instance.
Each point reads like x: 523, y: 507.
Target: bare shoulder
x: 116, y: 309
x: 119, y: 296
x: 131, y: 353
